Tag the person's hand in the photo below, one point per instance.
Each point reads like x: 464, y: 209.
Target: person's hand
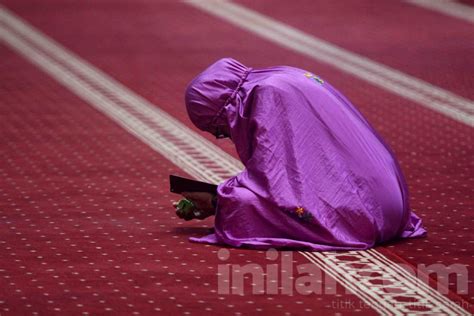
x: 202, y: 206
x: 185, y: 209
x: 201, y: 200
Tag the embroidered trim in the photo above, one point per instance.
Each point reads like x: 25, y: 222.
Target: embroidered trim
x: 314, y: 77
x: 301, y: 213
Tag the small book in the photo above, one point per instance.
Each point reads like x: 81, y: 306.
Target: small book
x: 180, y: 184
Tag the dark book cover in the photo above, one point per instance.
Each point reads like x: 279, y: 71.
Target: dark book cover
x: 180, y: 184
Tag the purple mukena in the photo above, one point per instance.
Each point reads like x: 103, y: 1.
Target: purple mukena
x: 317, y: 175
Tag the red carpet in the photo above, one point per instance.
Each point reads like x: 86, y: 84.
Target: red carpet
x: 87, y: 225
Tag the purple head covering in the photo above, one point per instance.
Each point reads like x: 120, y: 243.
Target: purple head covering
x: 224, y: 78
x: 317, y: 175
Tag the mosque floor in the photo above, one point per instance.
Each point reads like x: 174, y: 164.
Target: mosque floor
x: 87, y: 90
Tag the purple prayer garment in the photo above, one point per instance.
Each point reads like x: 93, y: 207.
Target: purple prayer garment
x: 317, y: 175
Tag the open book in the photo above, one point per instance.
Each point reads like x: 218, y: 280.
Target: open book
x: 180, y: 184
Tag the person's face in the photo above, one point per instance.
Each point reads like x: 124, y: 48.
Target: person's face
x: 222, y: 131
